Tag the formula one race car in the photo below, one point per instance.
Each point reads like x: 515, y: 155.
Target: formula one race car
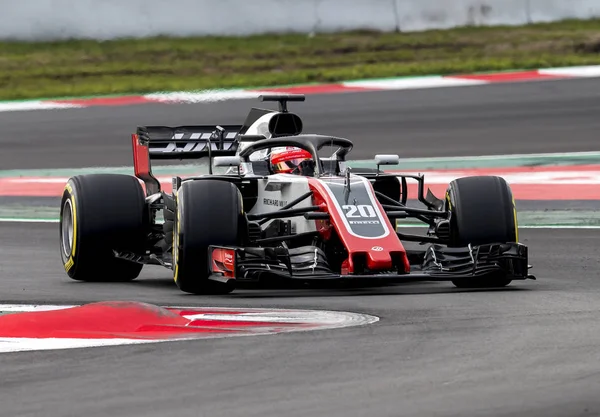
x: 282, y: 209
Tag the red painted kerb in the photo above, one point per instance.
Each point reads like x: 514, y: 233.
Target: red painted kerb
x: 122, y: 320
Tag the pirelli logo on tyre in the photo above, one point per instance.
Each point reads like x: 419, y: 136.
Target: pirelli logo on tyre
x: 69, y: 264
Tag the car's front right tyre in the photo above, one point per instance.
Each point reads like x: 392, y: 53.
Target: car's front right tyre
x: 482, y: 211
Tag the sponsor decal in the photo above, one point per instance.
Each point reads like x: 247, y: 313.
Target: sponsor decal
x: 357, y: 205
x: 360, y: 214
x: 224, y: 262
x: 377, y: 248
x: 364, y: 222
x: 174, y: 147
x: 228, y: 259
x: 199, y: 135
x: 273, y: 202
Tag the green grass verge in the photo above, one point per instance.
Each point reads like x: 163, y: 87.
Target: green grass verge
x: 75, y: 68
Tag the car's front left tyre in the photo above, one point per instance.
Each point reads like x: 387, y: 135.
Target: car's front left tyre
x: 100, y: 214
x: 209, y: 212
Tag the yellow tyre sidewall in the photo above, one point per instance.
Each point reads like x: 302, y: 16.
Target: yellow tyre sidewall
x: 176, y: 238
x: 69, y: 194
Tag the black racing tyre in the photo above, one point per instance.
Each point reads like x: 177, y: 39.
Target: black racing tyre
x: 209, y: 212
x: 482, y: 211
x: 100, y: 213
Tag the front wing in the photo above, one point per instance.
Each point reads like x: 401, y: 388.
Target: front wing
x: 437, y: 263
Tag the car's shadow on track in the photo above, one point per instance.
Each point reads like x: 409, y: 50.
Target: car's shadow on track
x: 377, y: 292
x: 287, y: 291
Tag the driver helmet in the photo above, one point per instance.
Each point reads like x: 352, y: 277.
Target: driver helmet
x: 287, y: 160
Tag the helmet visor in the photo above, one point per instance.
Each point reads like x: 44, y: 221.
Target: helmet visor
x: 288, y: 165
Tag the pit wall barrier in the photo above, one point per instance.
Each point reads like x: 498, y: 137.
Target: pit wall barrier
x: 38, y: 20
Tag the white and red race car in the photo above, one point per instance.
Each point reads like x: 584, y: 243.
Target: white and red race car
x: 324, y: 222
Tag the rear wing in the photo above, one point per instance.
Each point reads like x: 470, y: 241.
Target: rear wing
x: 189, y: 142
x: 182, y: 142
x: 195, y: 142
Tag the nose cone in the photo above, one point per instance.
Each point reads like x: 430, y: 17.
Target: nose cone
x: 379, y: 259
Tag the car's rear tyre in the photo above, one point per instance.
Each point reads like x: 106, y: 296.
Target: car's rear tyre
x: 482, y: 211
x: 101, y: 213
x: 209, y: 212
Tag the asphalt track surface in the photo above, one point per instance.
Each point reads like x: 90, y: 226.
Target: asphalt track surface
x: 530, y: 349
x: 560, y: 116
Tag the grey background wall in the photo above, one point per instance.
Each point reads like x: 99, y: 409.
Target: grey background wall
x: 109, y: 19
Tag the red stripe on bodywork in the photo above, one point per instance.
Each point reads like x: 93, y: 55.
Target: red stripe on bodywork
x: 376, y: 260
x: 141, y: 157
x: 142, y: 166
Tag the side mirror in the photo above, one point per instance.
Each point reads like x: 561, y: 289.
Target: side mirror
x: 227, y: 161
x: 387, y: 159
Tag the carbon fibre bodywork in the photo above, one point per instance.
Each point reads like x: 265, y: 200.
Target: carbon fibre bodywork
x: 309, y: 263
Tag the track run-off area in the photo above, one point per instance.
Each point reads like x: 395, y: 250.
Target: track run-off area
x: 420, y: 349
